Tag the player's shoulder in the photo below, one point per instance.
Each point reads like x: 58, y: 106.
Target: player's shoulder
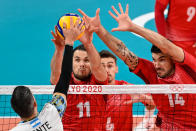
x: 47, y: 109
x: 189, y: 60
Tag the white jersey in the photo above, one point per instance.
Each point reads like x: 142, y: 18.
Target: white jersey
x: 47, y: 120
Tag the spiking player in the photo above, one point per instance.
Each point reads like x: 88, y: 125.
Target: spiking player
x: 24, y: 104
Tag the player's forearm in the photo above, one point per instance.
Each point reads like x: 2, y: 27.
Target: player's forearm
x: 95, y: 62
x: 167, y: 47
x: 118, y: 47
x: 159, y: 18
x: 66, y: 70
x: 56, y: 64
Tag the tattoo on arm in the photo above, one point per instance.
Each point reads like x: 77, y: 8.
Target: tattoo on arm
x: 127, y: 56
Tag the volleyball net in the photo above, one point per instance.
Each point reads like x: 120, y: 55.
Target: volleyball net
x: 119, y: 110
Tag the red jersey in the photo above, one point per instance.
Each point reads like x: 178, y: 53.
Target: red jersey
x: 177, y: 110
x: 180, y: 22
x: 84, y: 112
x: 118, y: 112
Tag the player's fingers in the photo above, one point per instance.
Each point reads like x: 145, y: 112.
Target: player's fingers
x: 116, y: 29
x: 97, y: 12
x: 121, y: 9
x: 81, y: 25
x: 114, y: 9
x: 64, y: 26
x: 86, y: 23
x: 127, y: 9
x: 81, y: 12
x: 53, y: 34
x: 55, y: 28
x: 77, y: 23
x: 82, y: 30
x: 113, y: 15
x: 71, y: 23
x: 53, y: 40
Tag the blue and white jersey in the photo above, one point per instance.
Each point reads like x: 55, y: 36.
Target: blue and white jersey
x: 49, y: 119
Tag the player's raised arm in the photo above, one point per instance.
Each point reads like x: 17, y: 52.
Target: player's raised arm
x: 94, y: 58
x: 61, y: 88
x: 116, y: 45
x: 57, y: 58
x: 126, y: 24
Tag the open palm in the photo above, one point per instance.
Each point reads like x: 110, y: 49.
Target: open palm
x: 87, y: 36
x: 94, y: 22
x: 57, y: 40
x: 124, y: 22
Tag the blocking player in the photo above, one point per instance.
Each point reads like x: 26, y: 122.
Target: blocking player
x: 171, y: 65
x: 49, y: 119
x: 118, y: 109
x: 83, y: 112
x: 179, y: 26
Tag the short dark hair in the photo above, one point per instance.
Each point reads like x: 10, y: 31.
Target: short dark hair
x: 155, y: 49
x: 107, y: 54
x: 22, y: 101
x: 80, y: 47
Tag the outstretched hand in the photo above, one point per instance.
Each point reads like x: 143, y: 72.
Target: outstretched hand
x: 57, y: 40
x: 88, y: 34
x: 94, y: 22
x: 73, y: 32
x: 123, y: 19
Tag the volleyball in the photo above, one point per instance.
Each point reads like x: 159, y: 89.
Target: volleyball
x: 66, y: 19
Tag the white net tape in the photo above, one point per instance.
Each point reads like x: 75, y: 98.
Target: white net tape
x: 118, y: 112
x: 108, y: 89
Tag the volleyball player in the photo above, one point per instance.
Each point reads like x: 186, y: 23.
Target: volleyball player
x: 118, y: 106
x: 179, y: 26
x: 171, y: 65
x: 83, y: 112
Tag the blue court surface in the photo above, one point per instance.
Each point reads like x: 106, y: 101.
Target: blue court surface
x: 26, y: 48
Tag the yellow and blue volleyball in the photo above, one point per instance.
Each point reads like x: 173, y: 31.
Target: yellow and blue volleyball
x: 66, y: 19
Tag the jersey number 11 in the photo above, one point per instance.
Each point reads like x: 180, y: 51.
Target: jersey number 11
x: 82, y: 106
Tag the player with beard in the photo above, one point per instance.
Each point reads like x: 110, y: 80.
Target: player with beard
x: 119, y: 106
x: 83, y: 112
x: 171, y: 65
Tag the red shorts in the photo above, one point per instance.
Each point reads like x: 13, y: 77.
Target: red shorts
x: 187, y: 46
